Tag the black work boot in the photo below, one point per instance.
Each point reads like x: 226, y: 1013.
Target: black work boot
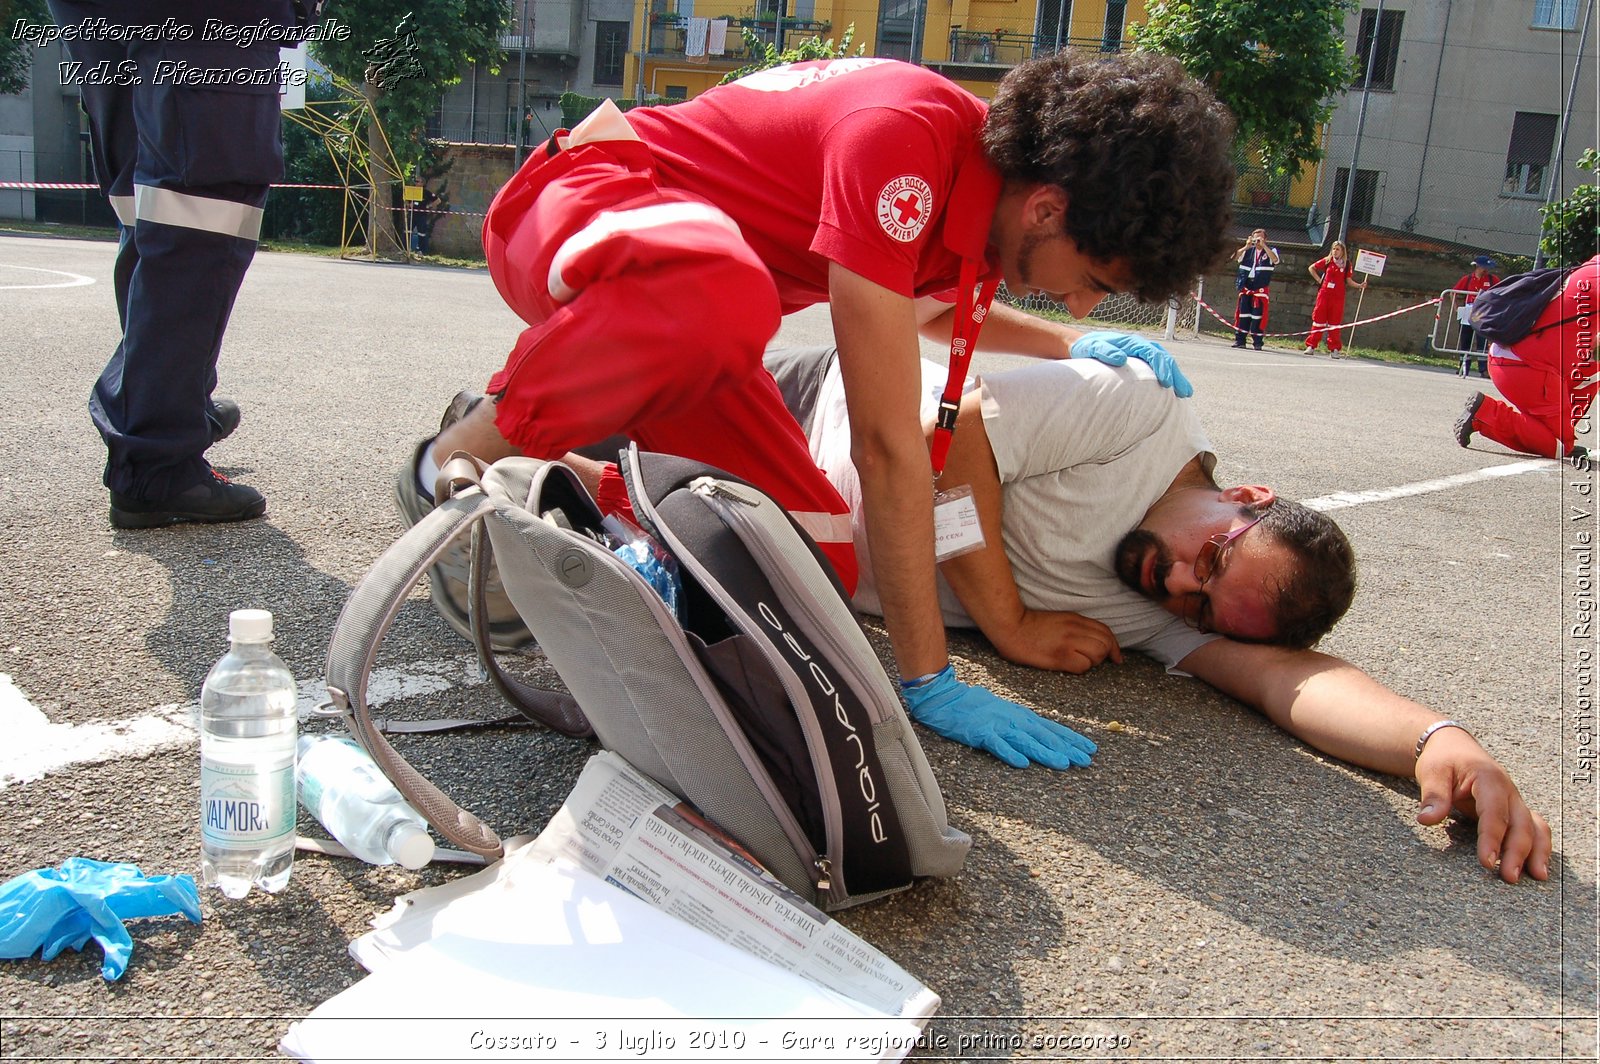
x: 223, y: 417
x: 211, y: 501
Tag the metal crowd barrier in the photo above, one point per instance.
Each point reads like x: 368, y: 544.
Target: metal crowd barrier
x: 1450, y: 332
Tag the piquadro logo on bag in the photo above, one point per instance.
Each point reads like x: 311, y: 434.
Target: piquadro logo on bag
x: 865, y: 781
x: 904, y: 207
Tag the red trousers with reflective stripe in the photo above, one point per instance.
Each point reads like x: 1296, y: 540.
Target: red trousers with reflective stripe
x: 1545, y: 408
x: 656, y: 328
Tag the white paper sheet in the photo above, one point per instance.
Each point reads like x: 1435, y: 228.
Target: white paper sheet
x: 552, y: 964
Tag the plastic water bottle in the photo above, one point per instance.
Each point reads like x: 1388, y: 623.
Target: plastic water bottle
x: 350, y: 796
x: 247, y: 735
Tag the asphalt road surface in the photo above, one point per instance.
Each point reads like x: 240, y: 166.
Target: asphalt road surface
x: 1209, y: 889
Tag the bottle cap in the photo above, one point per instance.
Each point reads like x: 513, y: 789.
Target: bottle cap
x: 250, y: 626
x: 410, y: 845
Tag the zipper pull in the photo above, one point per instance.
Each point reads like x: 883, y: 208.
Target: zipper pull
x: 824, y: 869
x: 711, y: 487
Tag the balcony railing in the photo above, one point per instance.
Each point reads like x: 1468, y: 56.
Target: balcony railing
x: 535, y: 45
x: 1003, y: 49
x: 668, y: 31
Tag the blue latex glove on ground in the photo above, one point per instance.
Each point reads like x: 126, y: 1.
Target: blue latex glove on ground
x: 47, y: 910
x: 974, y: 716
x: 1114, y: 349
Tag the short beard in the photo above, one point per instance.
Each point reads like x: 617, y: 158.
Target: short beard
x: 1131, y: 551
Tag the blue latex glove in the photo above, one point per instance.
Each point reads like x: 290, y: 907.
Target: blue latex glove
x: 47, y: 910
x: 980, y: 719
x: 1114, y: 349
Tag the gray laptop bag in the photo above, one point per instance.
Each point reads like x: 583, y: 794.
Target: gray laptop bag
x: 764, y: 706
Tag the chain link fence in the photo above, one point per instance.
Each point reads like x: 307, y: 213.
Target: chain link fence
x: 1119, y: 311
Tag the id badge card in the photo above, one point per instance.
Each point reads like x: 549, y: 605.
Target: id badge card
x: 956, y: 528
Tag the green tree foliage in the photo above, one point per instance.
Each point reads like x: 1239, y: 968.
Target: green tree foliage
x: 16, y: 57
x: 575, y: 106
x: 1572, y: 226
x: 766, y: 55
x: 415, y: 65
x: 1277, y: 65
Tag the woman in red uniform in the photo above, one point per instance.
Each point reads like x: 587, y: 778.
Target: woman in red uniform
x: 1331, y: 273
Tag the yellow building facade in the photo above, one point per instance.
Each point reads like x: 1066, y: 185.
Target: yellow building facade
x: 688, y: 46
x: 972, y: 41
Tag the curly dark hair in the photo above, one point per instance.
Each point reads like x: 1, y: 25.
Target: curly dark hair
x: 1322, y: 581
x: 1141, y: 149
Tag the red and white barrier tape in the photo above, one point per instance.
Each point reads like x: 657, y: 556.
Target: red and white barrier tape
x: 54, y: 186
x: 430, y: 210
x: 1307, y: 332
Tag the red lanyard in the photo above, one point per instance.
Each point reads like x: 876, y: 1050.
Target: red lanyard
x: 963, y: 339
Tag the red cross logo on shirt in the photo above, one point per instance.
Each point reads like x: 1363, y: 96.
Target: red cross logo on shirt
x: 904, y: 207
x: 908, y: 208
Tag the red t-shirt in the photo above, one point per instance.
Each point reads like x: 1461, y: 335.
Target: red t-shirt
x: 1472, y: 285
x: 1334, y: 275
x: 870, y: 163
x: 1330, y: 290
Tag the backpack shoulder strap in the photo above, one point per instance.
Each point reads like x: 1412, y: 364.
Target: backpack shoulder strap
x: 361, y: 626
x: 1568, y: 320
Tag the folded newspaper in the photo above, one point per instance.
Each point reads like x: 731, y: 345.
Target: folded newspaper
x: 624, y: 827
x: 628, y: 907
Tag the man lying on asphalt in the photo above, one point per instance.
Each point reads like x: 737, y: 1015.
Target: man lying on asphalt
x: 1230, y: 585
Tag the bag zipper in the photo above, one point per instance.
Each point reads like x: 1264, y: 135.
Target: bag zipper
x: 667, y: 621
x: 821, y: 865
x: 737, y: 511
x: 822, y: 628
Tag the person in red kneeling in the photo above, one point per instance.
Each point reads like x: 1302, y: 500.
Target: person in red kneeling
x: 1332, y: 273
x: 1548, y: 377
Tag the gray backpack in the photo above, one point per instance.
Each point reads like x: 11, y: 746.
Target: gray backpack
x: 765, y: 707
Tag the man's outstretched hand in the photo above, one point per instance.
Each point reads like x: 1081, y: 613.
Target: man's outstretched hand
x: 1455, y: 772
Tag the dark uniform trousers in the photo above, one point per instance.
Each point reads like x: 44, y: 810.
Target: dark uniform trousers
x: 186, y: 168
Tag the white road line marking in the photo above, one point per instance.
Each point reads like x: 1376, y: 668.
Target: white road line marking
x: 73, y: 280
x: 1341, y: 499
x: 38, y: 747
x: 1296, y: 364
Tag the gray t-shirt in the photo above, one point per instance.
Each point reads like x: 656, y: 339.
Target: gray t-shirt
x: 1083, y: 451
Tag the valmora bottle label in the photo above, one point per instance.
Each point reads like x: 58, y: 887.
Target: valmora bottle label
x: 244, y: 806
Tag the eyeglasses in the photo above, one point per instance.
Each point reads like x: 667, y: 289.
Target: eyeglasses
x: 1211, y: 560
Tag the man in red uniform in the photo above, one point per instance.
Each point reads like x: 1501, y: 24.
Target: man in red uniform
x: 652, y: 257
x: 1473, y: 283
x: 1548, y: 377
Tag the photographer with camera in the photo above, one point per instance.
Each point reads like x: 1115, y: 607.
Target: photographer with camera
x: 1256, y: 262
